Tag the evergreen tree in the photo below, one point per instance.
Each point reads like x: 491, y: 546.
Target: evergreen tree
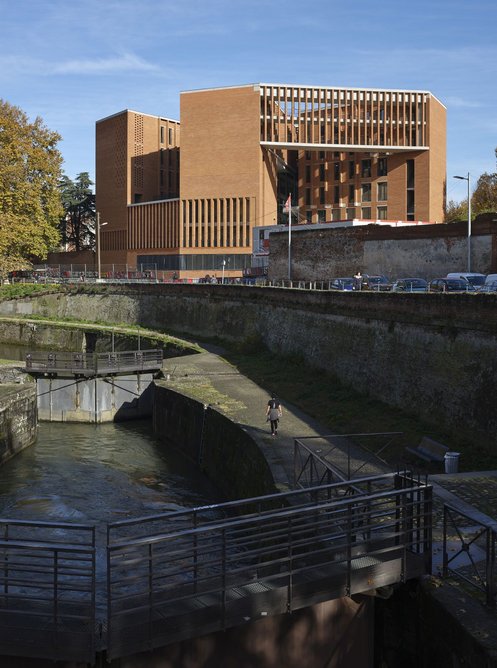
x: 78, y: 222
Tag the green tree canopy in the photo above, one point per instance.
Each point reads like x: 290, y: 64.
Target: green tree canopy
x: 77, y: 225
x: 483, y: 199
x: 30, y: 207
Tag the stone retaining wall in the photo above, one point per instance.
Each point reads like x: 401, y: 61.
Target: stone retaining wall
x: 18, y: 419
x: 222, y: 448
x: 434, y: 355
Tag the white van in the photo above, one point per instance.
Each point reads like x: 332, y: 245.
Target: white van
x: 476, y: 280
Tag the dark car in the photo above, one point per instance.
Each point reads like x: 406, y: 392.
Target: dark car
x: 342, y: 284
x: 450, y: 285
x: 376, y: 283
x: 410, y: 285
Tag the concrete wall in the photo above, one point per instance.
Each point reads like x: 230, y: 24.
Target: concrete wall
x: 222, y: 448
x: 427, y: 251
x: 18, y: 419
x: 97, y: 400
x: 434, y: 355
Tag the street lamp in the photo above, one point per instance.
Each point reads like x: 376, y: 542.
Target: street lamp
x: 98, y: 226
x: 468, y: 179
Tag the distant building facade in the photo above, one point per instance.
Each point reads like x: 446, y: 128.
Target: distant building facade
x: 186, y: 197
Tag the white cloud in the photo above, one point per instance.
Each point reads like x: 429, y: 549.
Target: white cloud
x: 126, y: 62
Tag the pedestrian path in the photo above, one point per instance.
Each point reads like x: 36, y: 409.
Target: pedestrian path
x: 211, y: 379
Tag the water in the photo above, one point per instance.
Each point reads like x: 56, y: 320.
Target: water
x: 98, y: 474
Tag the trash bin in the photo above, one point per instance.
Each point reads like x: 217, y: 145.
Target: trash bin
x: 451, y: 462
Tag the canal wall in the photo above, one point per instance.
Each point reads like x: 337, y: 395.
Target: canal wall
x: 434, y: 355
x: 223, y: 449
x: 18, y: 418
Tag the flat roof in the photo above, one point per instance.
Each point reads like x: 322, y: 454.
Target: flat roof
x: 330, y: 87
x: 140, y: 113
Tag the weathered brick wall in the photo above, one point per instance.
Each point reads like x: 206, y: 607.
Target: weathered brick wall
x: 427, y: 251
x: 434, y: 354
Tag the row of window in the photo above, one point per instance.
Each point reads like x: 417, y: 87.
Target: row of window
x: 364, y: 166
x: 364, y: 213
x: 196, y: 262
x: 365, y: 193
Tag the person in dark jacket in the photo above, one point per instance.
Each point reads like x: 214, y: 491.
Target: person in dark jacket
x: 273, y: 413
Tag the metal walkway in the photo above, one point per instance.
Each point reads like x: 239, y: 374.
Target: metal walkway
x: 187, y: 573
x: 91, y: 365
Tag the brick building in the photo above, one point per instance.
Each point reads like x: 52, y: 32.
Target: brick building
x: 185, y: 197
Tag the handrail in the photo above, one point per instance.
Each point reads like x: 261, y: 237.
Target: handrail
x: 470, y: 545
x: 93, y: 363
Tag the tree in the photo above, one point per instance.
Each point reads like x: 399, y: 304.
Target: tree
x: 484, y: 198
x: 30, y: 207
x: 78, y: 222
x: 455, y: 211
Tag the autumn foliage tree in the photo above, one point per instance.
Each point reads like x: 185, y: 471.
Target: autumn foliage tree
x: 30, y: 206
x: 483, y: 199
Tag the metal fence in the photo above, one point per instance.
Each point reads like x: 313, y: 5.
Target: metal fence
x: 90, y: 364
x: 184, y: 574
x: 47, y: 590
x: 472, y: 546
x: 328, y: 458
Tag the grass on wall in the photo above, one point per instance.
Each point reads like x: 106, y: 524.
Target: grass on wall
x: 344, y: 410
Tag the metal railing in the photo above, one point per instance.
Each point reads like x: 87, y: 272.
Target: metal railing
x: 47, y: 590
x: 90, y: 364
x: 472, y: 554
x: 324, y: 459
x: 184, y: 574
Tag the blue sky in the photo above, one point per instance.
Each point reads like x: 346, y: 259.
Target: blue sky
x: 75, y: 61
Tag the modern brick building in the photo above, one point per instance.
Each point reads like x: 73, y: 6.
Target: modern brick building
x: 185, y: 197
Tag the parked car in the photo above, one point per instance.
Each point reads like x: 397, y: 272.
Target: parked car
x: 342, y: 283
x: 450, y: 285
x: 489, y: 287
x: 410, y: 285
x: 376, y: 283
x: 491, y: 278
x: 476, y: 280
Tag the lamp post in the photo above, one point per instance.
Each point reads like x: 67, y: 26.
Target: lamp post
x: 468, y: 179
x: 98, y: 226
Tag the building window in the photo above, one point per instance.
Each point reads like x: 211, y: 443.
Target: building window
x: 351, y: 194
x: 321, y: 155
x: 161, y: 134
x: 382, y: 213
x: 137, y: 198
x: 307, y: 174
x: 308, y: 196
x: 322, y: 176
x: 366, y: 169
x: 351, y: 169
x: 336, y: 214
x: 307, y: 155
x: 170, y: 137
x: 382, y: 191
x: 410, y: 203
x: 308, y: 216
x: 321, y: 196
x: 336, y: 171
x: 382, y: 167
x: 366, y: 192
x: 366, y: 213
x: 321, y: 216
x: 336, y: 195
x: 410, y: 173
x: 350, y: 213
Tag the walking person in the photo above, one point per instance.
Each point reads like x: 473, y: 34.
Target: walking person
x: 358, y: 281
x: 273, y: 413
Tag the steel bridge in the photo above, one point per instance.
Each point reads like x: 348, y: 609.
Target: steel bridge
x: 188, y: 573
x: 91, y: 365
